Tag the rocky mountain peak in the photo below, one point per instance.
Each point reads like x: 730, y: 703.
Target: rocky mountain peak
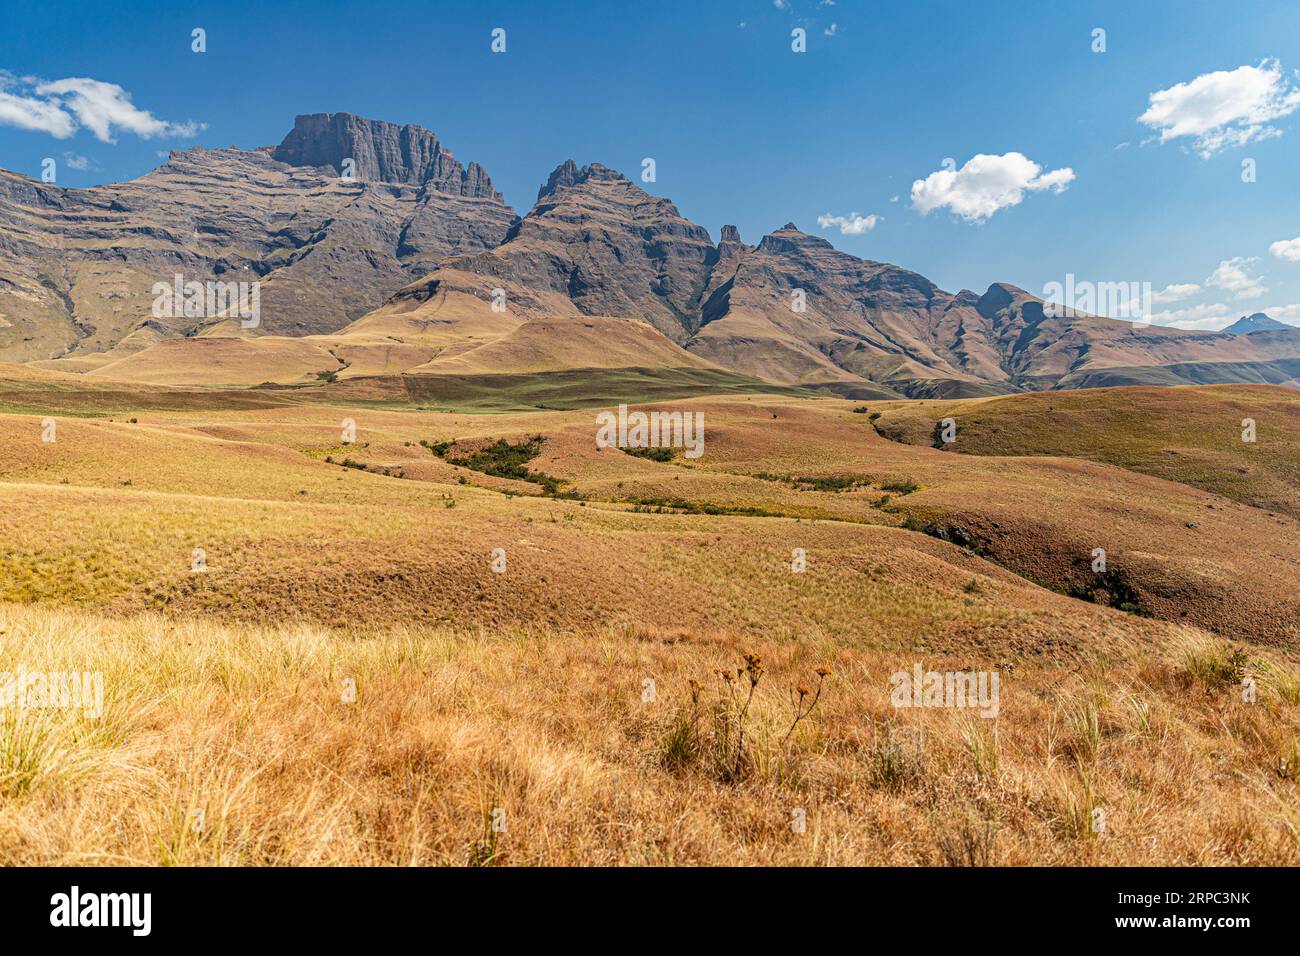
x: 730, y: 234
x: 381, y: 152
x: 998, y: 297
x: 569, y: 173
x: 790, y: 239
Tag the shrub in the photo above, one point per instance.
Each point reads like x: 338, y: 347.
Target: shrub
x: 654, y: 454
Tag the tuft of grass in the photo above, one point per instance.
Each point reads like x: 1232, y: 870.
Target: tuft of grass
x: 898, y: 760
x: 970, y: 844
x: 983, y: 746
x: 1084, y: 723
x: 1282, y: 681
x: 1216, y: 665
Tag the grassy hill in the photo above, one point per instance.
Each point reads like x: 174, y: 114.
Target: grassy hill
x: 525, y: 689
x: 1188, y: 435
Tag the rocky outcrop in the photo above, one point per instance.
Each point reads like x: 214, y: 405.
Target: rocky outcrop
x: 381, y: 152
x: 415, y: 231
x: 795, y: 310
x: 595, y: 243
x: 79, y: 264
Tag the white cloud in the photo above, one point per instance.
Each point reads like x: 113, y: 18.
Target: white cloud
x: 62, y: 107
x: 1175, y: 292
x: 850, y: 225
x: 1231, y: 277
x: 1214, y: 316
x: 1290, y: 314
x: 1288, y: 249
x: 830, y: 30
x: 1225, y: 108
x: 76, y: 161
x: 31, y: 113
x: 986, y: 184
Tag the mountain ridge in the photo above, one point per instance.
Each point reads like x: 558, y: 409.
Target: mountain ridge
x: 419, y: 245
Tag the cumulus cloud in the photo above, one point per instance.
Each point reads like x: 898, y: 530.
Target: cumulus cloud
x: 1225, y: 108
x: 1290, y: 314
x: 1200, y: 317
x: 61, y: 107
x: 831, y: 30
x: 986, y: 184
x: 25, y: 112
x: 1175, y: 292
x: 1288, y: 249
x: 1231, y: 276
x: 850, y: 225
x: 1212, y: 318
x: 76, y: 161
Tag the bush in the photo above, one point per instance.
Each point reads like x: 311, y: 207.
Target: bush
x: 654, y: 454
x: 501, y: 459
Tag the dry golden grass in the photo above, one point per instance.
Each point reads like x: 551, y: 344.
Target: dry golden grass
x: 251, y: 727
x: 1191, y: 435
x: 523, y: 690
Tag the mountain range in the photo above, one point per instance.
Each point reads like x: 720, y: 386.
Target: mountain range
x: 378, y: 253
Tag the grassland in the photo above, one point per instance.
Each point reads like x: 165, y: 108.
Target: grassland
x: 1189, y: 435
x: 520, y: 685
x: 552, y: 735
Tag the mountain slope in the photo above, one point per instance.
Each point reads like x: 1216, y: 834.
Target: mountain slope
x: 796, y: 311
x: 412, y: 262
x: 77, y: 265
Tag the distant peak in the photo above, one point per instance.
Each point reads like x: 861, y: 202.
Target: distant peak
x: 569, y: 173
x: 1259, y: 322
x: 730, y: 234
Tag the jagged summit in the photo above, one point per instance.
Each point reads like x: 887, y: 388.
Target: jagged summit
x: 568, y: 173
x: 381, y: 152
x: 415, y: 236
x: 789, y: 238
x: 324, y: 249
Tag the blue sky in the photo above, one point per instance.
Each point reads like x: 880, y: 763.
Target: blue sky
x: 744, y: 130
